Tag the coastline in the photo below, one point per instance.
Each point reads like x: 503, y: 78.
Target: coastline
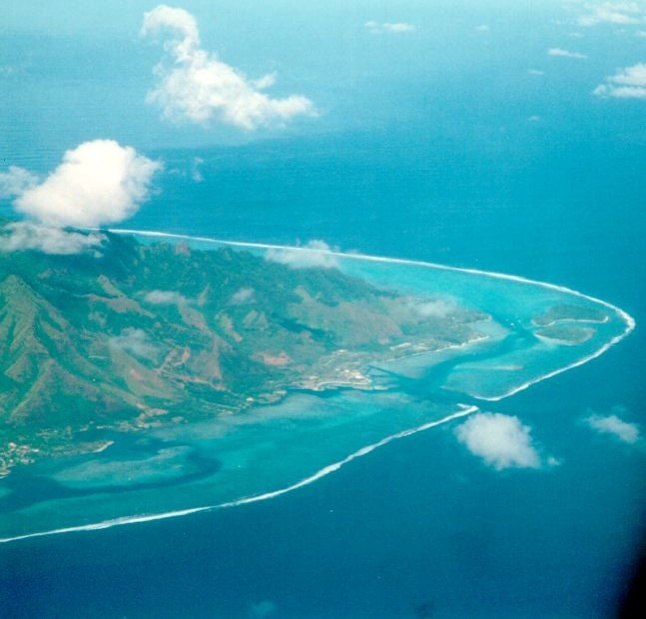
x: 628, y: 321
x: 331, y: 468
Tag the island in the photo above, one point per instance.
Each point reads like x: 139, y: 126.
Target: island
x: 148, y: 335
x: 156, y: 376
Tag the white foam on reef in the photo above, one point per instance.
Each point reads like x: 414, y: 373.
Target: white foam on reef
x: 331, y: 468
x: 466, y: 410
x: 627, y: 318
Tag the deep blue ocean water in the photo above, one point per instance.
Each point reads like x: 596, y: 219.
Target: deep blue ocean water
x: 424, y: 153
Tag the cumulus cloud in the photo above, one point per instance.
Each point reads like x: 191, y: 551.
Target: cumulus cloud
x: 311, y: 255
x: 564, y: 53
x: 180, y: 23
x: 134, y: 341
x: 16, y: 181
x: 502, y: 441
x: 195, y: 86
x: 196, y: 173
x: 615, y: 426
x: 618, y: 13
x: 535, y: 72
x: 388, y: 27
x: 165, y: 297
x: 242, y: 296
x: 28, y: 235
x: 628, y: 83
x: 98, y: 182
x: 437, y: 308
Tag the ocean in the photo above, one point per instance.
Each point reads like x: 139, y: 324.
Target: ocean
x: 419, y: 527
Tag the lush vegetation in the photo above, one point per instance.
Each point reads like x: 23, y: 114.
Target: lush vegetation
x: 138, y: 335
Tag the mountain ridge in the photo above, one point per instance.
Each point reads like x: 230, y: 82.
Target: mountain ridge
x: 161, y: 333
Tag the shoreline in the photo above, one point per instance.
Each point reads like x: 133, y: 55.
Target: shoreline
x: 575, y: 364
x: 330, y: 468
x: 558, y: 321
x: 628, y: 320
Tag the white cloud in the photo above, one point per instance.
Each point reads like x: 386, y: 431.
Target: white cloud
x: 535, y: 72
x: 623, y: 92
x: 313, y: 254
x: 628, y: 83
x: 388, y: 27
x: 613, y: 425
x: 134, y: 341
x: 24, y: 235
x: 534, y: 119
x: 242, y: 296
x: 16, y: 181
x: 99, y: 182
x: 195, y: 86
x: 196, y: 173
x: 438, y: 308
x: 178, y: 20
x: 483, y: 28
x: 618, y: 13
x: 641, y: 34
x: 501, y: 441
x: 165, y: 297
x: 564, y: 53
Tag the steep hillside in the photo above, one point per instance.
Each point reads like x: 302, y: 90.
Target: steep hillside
x: 156, y: 334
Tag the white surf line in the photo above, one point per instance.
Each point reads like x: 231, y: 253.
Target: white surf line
x: 627, y: 318
x: 598, y: 353
x: 630, y: 321
x: 106, y: 524
x: 115, y: 522
x: 466, y: 410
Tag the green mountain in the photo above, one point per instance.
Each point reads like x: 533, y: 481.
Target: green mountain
x: 143, y: 335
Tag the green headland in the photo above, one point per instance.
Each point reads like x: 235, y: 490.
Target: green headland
x: 139, y: 336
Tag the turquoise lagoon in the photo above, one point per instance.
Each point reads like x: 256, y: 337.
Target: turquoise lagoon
x: 270, y: 450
